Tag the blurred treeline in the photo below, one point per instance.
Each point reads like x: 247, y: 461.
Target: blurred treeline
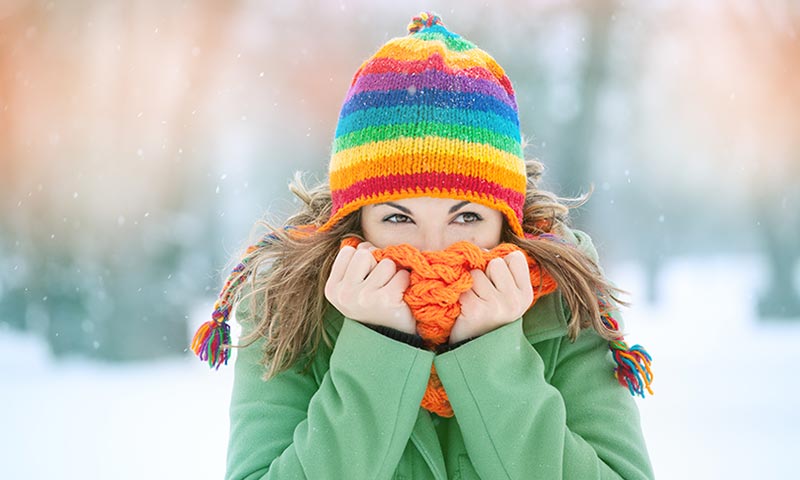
x: 140, y: 141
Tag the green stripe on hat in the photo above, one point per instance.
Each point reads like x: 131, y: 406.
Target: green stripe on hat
x: 428, y: 129
x: 453, y: 42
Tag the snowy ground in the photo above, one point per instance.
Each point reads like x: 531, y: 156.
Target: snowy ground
x: 726, y: 403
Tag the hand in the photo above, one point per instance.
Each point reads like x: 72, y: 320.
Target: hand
x: 368, y: 291
x: 497, y: 297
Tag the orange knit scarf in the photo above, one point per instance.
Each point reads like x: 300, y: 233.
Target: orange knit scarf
x: 437, y: 281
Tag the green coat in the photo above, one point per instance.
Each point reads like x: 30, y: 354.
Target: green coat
x: 528, y: 403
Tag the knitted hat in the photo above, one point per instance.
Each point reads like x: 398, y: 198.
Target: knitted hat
x: 430, y: 114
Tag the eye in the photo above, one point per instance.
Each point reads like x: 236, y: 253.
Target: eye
x: 468, y: 217
x: 397, y: 218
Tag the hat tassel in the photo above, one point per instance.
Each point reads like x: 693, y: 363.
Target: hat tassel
x: 212, y: 339
x: 633, y: 363
x: 633, y: 367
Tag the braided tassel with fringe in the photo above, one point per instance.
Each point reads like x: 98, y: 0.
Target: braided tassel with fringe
x: 212, y: 340
x: 633, y: 363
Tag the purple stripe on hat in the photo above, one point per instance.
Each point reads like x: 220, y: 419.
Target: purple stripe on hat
x: 429, y: 79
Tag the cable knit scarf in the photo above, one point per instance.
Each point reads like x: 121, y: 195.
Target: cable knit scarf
x: 437, y: 281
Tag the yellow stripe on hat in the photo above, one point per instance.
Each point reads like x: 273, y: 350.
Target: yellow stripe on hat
x: 433, y: 163
x: 424, y: 147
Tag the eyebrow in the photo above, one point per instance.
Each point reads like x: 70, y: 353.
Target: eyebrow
x: 458, y: 206
x: 403, y: 209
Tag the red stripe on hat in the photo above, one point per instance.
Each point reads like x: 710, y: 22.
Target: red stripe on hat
x: 431, y: 182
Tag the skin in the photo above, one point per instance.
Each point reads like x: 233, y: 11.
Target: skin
x: 372, y: 293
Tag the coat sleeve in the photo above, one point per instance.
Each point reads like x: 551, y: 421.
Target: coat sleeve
x: 354, y: 422
x: 580, y: 425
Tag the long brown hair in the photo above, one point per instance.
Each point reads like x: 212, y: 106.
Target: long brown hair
x: 286, y: 278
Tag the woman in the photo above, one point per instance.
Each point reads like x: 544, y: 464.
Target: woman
x: 345, y: 372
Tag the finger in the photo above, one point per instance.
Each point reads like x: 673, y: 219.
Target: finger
x: 340, y: 264
x: 467, y: 298
x: 399, y: 282
x: 481, y: 285
x: 518, y: 265
x: 500, y: 275
x: 381, y: 274
x: 360, y: 265
x: 366, y: 245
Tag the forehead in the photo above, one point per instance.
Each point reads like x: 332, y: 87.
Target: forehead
x: 429, y: 203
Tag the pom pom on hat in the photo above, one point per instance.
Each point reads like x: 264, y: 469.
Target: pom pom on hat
x: 424, y: 19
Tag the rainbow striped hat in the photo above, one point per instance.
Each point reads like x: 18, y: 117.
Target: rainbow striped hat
x: 430, y: 114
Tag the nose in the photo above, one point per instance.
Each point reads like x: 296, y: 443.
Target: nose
x: 432, y: 238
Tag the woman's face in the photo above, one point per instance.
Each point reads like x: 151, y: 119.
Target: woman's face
x: 428, y: 223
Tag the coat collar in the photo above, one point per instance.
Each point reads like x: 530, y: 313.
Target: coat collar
x: 546, y: 320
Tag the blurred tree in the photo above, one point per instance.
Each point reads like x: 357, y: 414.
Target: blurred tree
x: 769, y: 131
x: 12, y: 301
x: 577, y: 163
x: 559, y: 81
x: 86, y: 278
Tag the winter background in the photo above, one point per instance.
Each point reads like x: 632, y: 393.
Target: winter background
x: 141, y: 141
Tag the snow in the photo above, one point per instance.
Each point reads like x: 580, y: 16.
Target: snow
x: 84, y: 420
x: 725, y: 403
